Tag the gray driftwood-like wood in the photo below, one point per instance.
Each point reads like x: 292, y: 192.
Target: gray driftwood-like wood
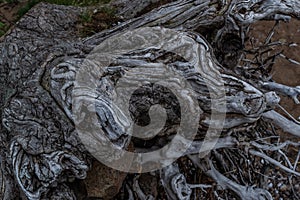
x: 41, y: 154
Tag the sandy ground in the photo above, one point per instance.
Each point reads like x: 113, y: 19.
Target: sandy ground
x: 284, y: 71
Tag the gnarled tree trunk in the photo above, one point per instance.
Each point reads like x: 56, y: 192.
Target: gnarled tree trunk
x: 42, y: 156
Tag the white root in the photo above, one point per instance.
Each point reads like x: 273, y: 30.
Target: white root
x: 282, y: 122
x: 274, y: 162
x: 244, y: 192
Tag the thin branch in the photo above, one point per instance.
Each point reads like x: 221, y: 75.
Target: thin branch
x: 272, y: 161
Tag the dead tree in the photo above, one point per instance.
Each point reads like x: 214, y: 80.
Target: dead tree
x: 42, y: 156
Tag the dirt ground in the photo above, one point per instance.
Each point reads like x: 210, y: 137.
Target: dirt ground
x: 284, y: 71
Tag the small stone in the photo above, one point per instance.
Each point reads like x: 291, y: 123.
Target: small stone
x: 270, y: 185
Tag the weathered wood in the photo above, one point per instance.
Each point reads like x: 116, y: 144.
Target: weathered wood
x: 40, y: 58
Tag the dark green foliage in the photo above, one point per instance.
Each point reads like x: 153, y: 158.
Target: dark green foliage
x: 22, y: 11
x: 3, y: 28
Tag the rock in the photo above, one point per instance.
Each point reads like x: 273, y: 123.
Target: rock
x: 103, y: 182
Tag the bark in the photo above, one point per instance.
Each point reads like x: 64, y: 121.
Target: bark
x: 42, y: 156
